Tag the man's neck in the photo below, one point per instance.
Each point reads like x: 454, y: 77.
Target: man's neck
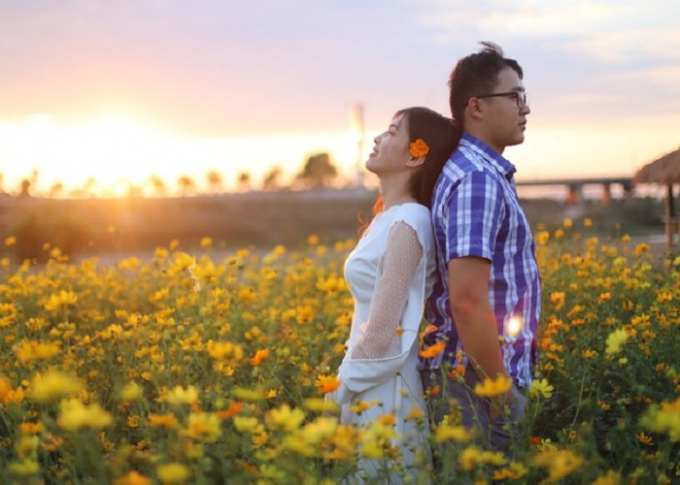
x: 487, y: 140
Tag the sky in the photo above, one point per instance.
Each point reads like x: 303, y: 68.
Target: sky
x: 122, y: 89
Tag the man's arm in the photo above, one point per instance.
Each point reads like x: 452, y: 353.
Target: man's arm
x: 474, y: 317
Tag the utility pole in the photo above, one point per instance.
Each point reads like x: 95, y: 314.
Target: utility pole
x: 356, y: 128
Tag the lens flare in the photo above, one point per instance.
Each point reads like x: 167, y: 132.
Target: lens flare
x: 514, y: 326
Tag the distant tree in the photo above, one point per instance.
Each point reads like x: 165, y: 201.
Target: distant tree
x: 25, y: 190
x: 318, y: 171
x: 56, y: 190
x: 134, y: 190
x: 272, y: 179
x: 186, y: 185
x: 158, y: 186
x: 215, y: 181
x: 89, y: 187
x: 243, y: 181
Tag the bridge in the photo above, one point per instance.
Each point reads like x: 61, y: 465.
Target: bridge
x: 575, y: 186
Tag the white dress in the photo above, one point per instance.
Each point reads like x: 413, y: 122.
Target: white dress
x: 391, y: 273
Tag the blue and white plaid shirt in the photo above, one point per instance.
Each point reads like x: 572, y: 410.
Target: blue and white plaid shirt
x: 475, y: 212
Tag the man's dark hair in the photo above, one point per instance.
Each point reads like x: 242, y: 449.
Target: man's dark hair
x: 475, y: 75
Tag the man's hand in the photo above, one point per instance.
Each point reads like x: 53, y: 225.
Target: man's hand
x: 500, y: 405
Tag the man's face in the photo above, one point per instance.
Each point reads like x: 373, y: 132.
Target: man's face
x: 505, y: 116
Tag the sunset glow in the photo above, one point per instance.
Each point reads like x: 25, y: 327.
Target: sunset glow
x: 118, y: 151
x: 115, y: 92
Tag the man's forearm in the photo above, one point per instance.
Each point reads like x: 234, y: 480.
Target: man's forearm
x: 478, y: 332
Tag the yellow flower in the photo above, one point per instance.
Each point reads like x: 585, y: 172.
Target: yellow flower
x: 615, y: 341
x: 362, y: 406
x: 27, y: 351
x: 284, y: 418
x: 587, y: 222
x: 387, y: 419
x: 10, y: 241
x: 179, y: 395
x: 248, y: 424
x: 203, y: 427
x: 609, y: 478
x: 664, y: 418
x: 132, y: 478
x: 74, y: 416
x: 542, y: 237
x: 5, y: 387
x: 512, y: 472
x: 132, y: 392
x: 320, y: 405
x: 30, y: 428
x: 469, y: 458
x: 494, y: 387
x: 567, y: 223
x: 225, y: 351
x: 52, y: 386
x: 24, y: 468
x: 415, y: 413
x: 206, y: 242
x: 418, y: 148
x: 560, y: 463
x: 645, y: 439
x: 172, y: 473
x: 313, y: 240
x: 641, y: 248
x: 320, y: 429
x: 250, y: 395
x: 541, y: 388
x: 446, y: 432
x: 61, y: 300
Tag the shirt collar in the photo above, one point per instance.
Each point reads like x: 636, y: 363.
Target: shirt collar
x: 502, y: 165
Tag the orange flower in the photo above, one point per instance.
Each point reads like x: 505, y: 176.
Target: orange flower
x: 326, y: 384
x: 433, y: 350
x: 419, y: 148
x: 234, y: 408
x: 167, y: 421
x: 260, y: 355
x: 459, y: 371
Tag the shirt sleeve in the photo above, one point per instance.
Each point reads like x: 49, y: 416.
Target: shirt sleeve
x: 381, y: 335
x: 475, y: 209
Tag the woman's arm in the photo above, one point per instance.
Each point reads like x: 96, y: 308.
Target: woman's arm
x: 403, y: 253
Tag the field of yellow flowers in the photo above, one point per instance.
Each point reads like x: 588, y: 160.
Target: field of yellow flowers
x: 188, y: 369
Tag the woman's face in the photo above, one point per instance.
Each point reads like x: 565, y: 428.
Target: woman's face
x: 391, y: 150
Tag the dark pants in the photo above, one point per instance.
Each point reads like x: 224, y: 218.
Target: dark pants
x: 497, y: 435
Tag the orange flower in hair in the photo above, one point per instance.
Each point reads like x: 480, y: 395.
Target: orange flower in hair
x: 419, y: 148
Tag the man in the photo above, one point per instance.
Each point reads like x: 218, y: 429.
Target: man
x: 486, y: 303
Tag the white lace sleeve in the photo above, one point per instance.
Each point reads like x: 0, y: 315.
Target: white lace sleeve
x: 396, y: 272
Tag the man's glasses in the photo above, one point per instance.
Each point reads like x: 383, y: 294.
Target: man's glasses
x: 520, y: 97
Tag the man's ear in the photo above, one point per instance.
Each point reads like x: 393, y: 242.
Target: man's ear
x: 474, y: 108
x: 415, y: 161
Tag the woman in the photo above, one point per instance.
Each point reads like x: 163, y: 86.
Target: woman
x: 391, y: 273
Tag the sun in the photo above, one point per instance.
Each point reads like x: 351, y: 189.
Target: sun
x: 112, y: 149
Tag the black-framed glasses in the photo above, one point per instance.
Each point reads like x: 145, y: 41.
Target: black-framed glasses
x: 519, y: 96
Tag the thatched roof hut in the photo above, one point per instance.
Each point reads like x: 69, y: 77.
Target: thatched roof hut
x: 664, y: 171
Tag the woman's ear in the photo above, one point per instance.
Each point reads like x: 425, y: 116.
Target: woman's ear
x: 415, y: 161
